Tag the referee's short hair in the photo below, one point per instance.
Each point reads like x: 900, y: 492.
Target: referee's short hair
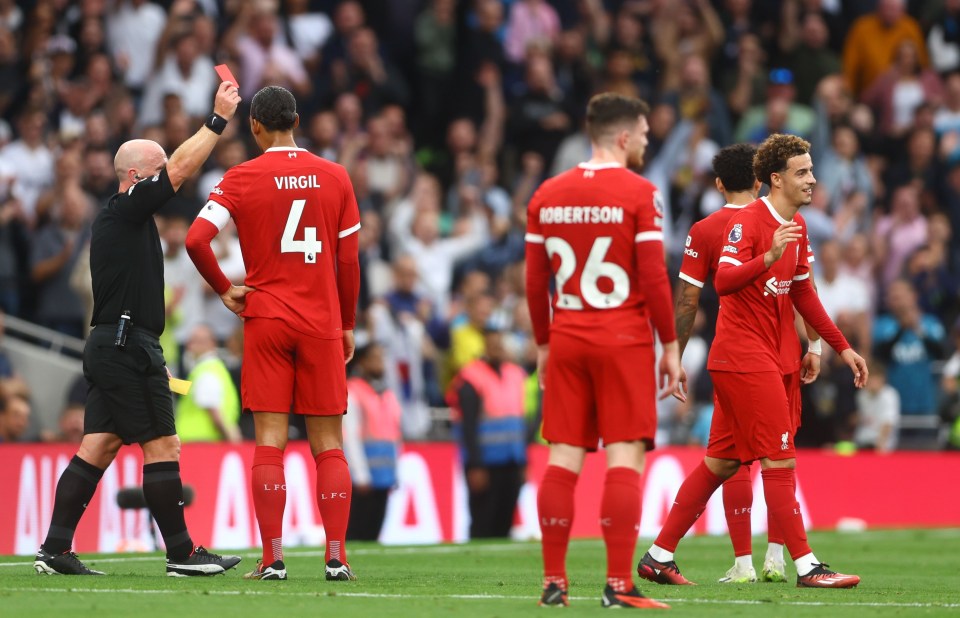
x: 275, y: 108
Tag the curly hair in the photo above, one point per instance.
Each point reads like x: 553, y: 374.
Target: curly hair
x: 275, y: 108
x: 774, y: 152
x: 733, y: 165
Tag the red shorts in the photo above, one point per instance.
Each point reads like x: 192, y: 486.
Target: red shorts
x: 755, y: 406
x: 791, y: 383
x: 287, y: 371
x: 595, y: 392
x: 722, y: 445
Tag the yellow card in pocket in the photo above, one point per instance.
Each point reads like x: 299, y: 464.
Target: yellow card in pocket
x: 180, y: 387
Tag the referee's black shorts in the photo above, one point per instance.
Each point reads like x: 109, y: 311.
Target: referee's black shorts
x: 128, y: 389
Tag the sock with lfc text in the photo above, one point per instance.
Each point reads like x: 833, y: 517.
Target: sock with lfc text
x: 334, y: 491
x: 690, y: 502
x: 163, y: 492
x: 778, y: 484
x: 269, y: 488
x: 620, y: 522
x: 555, y: 507
x: 75, y: 489
x: 737, y: 502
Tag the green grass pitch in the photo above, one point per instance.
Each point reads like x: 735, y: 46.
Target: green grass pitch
x: 905, y: 573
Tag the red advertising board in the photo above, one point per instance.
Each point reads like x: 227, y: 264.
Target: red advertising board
x: 429, y: 505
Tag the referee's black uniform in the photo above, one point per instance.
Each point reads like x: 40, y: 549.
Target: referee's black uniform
x: 129, y: 390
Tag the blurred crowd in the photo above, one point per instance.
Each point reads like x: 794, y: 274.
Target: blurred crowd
x: 449, y: 113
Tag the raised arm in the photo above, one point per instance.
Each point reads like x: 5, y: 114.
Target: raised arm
x: 191, y: 155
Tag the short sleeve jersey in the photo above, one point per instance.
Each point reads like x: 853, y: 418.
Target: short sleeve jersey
x: 701, y: 254
x: 590, y: 219
x: 750, y: 325
x: 291, y: 209
x: 126, y: 260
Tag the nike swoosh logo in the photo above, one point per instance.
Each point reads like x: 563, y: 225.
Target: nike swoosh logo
x: 180, y: 503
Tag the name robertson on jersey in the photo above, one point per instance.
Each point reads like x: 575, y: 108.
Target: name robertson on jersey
x: 296, y: 182
x: 581, y: 214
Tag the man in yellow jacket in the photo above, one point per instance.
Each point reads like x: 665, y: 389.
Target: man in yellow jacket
x: 210, y: 411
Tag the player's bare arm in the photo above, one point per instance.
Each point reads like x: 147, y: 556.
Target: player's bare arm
x: 349, y: 345
x: 787, y: 233
x: 685, y: 313
x: 190, y: 156
x: 669, y: 369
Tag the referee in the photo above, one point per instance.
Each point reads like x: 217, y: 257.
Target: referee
x: 127, y: 380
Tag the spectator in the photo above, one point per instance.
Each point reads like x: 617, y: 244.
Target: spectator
x: 488, y: 402
x: 805, y: 45
x: 898, y: 91
x: 265, y: 59
x: 878, y: 413
x: 630, y: 40
x: 844, y: 190
x: 531, y: 22
x: 69, y: 425
x: 183, y: 72
x: 436, y: 42
x: 210, y: 412
x: 780, y: 113
x: 14, y: 418
x: 54, y: 255
x: 943, y: 39
x: 845, y: 298
x: 308, y: 31
x: 872, y: 40
x: 908, y: 342
x: 541, y: 117
x: 684, y: 29
x: 467, y: 339
x: 29, y: 162
x: 898, y: 234
x: 14, y: 244
x: 696, y: 100
x: 370, y: 75
x: 134, y: 28
x: 371, y: 440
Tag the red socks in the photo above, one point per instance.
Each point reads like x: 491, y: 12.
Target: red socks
x: 334, y: 491
x: 690, y: 502
x: 778, y: 487
x: 620, y: 521
x: 555, y: 508
x: 737, y: 502
x: 774, y: 533
x: 269, y: 499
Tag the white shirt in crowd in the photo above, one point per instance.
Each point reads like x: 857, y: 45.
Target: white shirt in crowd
x: 132, y: 34
x: 877, y: 409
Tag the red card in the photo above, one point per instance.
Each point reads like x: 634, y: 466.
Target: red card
x: 225, y: 74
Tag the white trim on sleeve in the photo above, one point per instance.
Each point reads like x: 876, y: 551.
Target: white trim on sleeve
x: 691, y: 280
x: 802, y: 277
x: 348, y: 231
x: 215, y: 214
x: 729, y: 260
x: 537, y: 238
x: 648, y: 236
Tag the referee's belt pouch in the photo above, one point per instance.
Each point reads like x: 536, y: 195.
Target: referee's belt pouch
x: 146, y: 353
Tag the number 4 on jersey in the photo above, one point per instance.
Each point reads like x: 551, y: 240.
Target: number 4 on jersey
x: 309, y: 246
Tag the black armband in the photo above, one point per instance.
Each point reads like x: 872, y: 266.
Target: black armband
x: 216, y: 123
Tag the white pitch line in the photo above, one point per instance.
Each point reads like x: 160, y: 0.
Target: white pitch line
x: 467, y: 597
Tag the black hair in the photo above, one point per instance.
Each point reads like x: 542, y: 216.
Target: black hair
x: 275, y: 108
x: 733, y: 165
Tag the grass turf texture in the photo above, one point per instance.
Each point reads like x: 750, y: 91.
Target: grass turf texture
x: 905, y: 573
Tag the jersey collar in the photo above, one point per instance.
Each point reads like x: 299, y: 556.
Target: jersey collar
x: 773, y: 211
x: 284, y: 149
x: 735, y: 206
x: 599, y: 166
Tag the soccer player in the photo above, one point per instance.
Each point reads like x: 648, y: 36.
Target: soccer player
x: 595, y: 232
x: 760, y: 265
x: 297, y: 218
x: 733, y: 167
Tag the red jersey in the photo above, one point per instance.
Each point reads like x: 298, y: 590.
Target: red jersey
x: 589, y: 225
x: 701, y: 257
x: 751, y: 324
x: 291, y: 209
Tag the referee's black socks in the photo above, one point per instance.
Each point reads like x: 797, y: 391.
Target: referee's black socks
x: 163, y: 492
x: 75, y: 489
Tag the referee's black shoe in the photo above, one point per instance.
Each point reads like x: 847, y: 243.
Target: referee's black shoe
x: 66, y: 563
x: 201, y: 562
